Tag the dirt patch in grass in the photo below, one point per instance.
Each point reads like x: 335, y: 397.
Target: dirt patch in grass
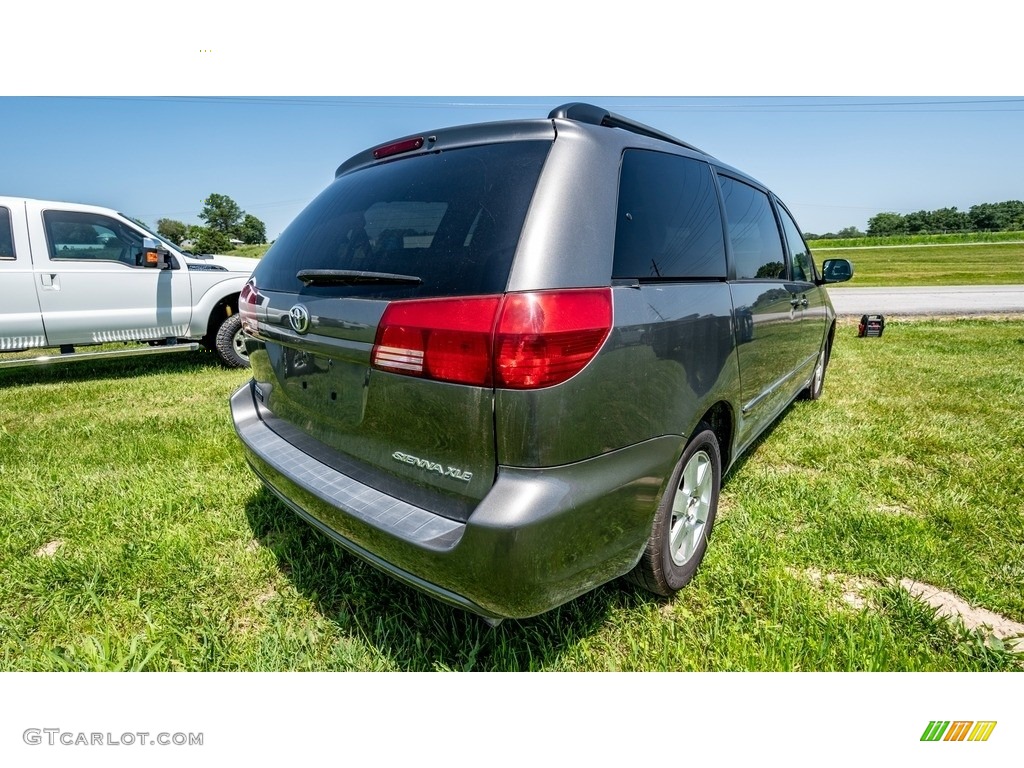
x: 896, y: 510
x: 952, y: 607
x: 852, y: 589
x: 852, y: 592
x: 49, y: 549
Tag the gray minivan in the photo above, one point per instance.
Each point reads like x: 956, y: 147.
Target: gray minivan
x: 509, y: 362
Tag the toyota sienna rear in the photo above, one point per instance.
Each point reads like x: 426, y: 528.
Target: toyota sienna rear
x: 504, y: 362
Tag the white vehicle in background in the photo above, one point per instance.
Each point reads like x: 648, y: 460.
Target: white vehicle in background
x: 74, y: 275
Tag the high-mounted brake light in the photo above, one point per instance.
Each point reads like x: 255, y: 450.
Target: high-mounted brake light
x: 514, y: 341
x: 397, y: 148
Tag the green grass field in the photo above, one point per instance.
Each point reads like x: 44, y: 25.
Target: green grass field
x: 932, y: 264
x: 250, y: 251
x: 952, y: 238
x: 134, y: 536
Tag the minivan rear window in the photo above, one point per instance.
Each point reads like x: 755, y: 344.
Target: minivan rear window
x: 451, y: 219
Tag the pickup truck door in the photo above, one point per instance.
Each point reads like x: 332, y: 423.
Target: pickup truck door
x: 21, y: 324
x: 91, y: 284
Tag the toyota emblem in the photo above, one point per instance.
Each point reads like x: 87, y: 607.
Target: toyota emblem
x: 298, y: 317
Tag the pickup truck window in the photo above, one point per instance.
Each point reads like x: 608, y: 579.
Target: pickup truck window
x: 6, y: 240
x: 79, y: 236
x: 753, y: 233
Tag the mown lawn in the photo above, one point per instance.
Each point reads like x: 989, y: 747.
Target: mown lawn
x: 134, y: 536
x: 937, y: 264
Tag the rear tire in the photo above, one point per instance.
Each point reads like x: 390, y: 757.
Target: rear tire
x: 817, y: 384
x: 229, y: 343
x: 685, y: 517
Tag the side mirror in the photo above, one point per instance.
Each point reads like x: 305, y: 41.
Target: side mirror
x: 153, y: 256
x: 836, y: 271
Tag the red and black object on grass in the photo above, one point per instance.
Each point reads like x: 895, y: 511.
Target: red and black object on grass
x: 870, y: 325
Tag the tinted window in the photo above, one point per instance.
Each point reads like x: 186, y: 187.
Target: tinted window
x: 6, y: 239
x: 78, y: 236
x: 669, y: 224
x: 800, y: 255
x: 753, y: 233
x: 452, y: 219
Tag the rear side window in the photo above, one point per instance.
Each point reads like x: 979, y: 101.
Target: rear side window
x: 451, y: 219
x: 669, y: 224
x: 6, y: 239
x: 753, y: 234
x: 800, y: 255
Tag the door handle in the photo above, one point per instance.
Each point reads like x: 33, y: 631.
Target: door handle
x: 50, y: 281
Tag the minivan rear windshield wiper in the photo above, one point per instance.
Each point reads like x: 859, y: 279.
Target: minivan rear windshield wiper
x: 353, y: 277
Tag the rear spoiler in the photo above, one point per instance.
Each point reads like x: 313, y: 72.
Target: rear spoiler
x: 593, y: 115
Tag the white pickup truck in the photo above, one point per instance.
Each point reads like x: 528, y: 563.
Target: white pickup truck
x: 74, y: 275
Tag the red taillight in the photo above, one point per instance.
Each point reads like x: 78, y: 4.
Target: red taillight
x: 248, y: 300
x: 516, y: 341
x: 444, y: 339
x: 546, y: 338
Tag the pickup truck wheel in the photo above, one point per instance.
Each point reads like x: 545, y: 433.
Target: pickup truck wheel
x: 685, y: 517
x: 229, y: 343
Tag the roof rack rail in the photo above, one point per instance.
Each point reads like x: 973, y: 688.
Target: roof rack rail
x: 588, y: 113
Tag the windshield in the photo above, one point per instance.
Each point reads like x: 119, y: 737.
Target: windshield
x: 163, y: 243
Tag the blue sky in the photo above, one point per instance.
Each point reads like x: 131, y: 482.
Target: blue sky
x: 836, y: 161
x: 843, y: 109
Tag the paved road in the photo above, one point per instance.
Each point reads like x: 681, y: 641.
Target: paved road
x: 937, y: 300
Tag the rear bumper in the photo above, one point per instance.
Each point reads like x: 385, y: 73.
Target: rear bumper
x: 538, y: 539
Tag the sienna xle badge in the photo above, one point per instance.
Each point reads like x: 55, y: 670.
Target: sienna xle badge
x: 509, y: 362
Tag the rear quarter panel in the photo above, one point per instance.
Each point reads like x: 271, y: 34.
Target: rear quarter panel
x: 668, y: 359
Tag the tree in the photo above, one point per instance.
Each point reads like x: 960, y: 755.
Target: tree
x: 849, y: 232
x: 949, y: 220
x: 1008, y: 215
x: 175, y: 231
x: 917, y: 222
x: 209, y: 240
x: 222, y: 214
x: 1013, y: 212
x: 252, y: 230
x: 983, y: 217
x: 882, y: 224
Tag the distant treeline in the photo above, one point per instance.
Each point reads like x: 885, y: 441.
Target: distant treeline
x: 985, y: 217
